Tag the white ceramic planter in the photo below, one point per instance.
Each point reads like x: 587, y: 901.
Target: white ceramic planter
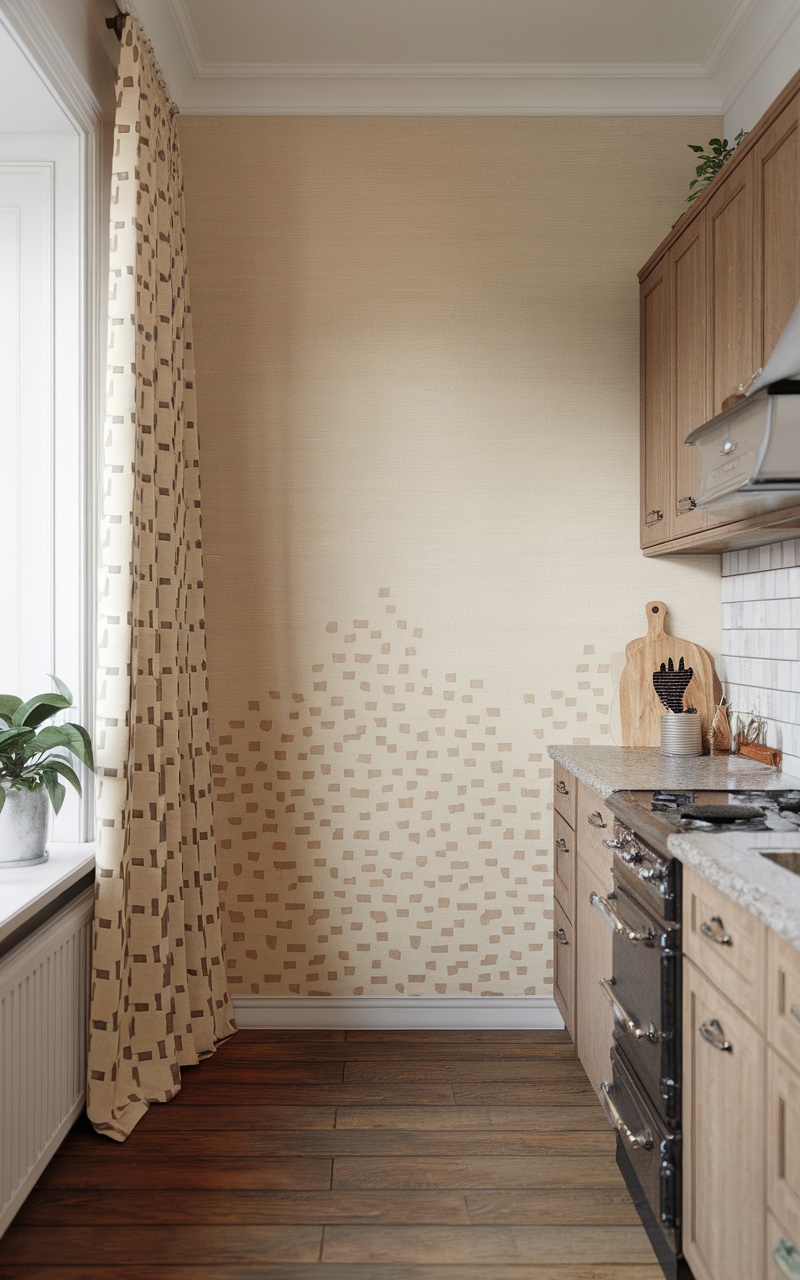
x: 24, y: 821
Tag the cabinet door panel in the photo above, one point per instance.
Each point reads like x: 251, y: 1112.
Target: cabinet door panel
x: 783, y: 1143
x: 564, y: 968
x: 689, y: 369
x: 594, y: 1021
x: 777, y: 165
x: 730, y: 215
x: 723, y: 1167
x: 656, y: 446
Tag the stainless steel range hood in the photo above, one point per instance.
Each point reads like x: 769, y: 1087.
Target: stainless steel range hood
x: 752, y: 448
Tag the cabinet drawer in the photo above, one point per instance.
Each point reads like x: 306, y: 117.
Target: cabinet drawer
x: 783, y: 1144
x: 727, y: 944
x: 595, y: 824
x: 564, y: 968
x: 783, y: 1251
x: 564, y: 866
x: 565, y: 793
x: 784, y: 998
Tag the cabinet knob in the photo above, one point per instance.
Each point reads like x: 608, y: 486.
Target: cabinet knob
x: 596, y: 820
x: 562, y: 937
x: 562, y: 788
x: 714, y: 930
x: 713, y: 1034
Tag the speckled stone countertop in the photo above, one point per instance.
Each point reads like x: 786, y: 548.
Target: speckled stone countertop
x: 730, y: 861
x: 607, y: 769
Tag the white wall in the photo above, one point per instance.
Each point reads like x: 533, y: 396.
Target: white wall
x: 748, y: 85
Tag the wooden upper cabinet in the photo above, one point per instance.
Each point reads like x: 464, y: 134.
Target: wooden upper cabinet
x: 776, y: 158
x: 687, y: 262
x: 730, y: 215
x: 656, y: 435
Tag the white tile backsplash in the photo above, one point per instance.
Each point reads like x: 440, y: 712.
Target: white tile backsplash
x: 761, y: 640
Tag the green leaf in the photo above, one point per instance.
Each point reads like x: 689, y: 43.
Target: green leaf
x: 715, y: 142
x: 694, y: 147
x: 9, y: 703
x: 62, y: 688
x: 66, y: 771
x: 39, y: 709
x: 55, y: 790
x: 71, y: 736
x: 15, y: 737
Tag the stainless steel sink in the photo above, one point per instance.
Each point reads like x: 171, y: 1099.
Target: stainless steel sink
x: 790, y: 859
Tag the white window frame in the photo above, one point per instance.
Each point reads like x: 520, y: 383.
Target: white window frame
x: 65, y: 611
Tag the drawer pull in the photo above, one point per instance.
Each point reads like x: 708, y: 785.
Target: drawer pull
x: 604, y: 908
x: 562, y: 937
x: 643, y: 1139
x: 795, y: 1012
x: 653, y: 516
x: 562, y: 788
x: 596, y: 820
x: 714, y: 930
x: 684, y: 505
x: 713, y: 1034
x: 787, y: 1258
x: 623, y: 1018
x: 562, y: 845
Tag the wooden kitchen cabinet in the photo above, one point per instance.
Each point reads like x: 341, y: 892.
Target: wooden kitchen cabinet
x: 715, y: 297
x: 582, y: 941
x: 724, y: 1191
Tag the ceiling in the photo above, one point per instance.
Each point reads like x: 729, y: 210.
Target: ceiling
x: 460, y: 56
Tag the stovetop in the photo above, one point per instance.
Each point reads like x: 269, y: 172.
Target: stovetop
x: 654, y: 815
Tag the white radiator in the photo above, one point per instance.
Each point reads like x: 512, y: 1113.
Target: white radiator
x: 44, y: 1011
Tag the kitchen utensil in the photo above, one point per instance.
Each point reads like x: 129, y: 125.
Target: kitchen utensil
x: 640, y: 708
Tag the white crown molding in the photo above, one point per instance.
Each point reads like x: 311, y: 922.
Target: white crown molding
x: 29, y: 23
x: 727, y: 34
x: 757, y: 36
x: 403, y: 1013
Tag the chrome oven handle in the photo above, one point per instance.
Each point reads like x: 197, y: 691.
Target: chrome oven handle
x: 713, y: 1034
x: 787, y: 1258
x: 714, y: 930
x: 643, y: 1139
x: 595, y: 819
x: 623, y: 1018
x: 605, y: 909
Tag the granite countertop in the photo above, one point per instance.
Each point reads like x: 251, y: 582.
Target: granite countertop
x: 730, y: 860
x: 607, y: 769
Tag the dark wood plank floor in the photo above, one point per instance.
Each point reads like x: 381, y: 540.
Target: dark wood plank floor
x: 347, y: 1156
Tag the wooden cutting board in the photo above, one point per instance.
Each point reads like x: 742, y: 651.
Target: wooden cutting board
x: 639, y: 705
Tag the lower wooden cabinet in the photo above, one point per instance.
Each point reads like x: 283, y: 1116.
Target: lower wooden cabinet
x: 724, y: 1084
x: 594, y: 1021
x: 564, y: 967
x: 783, y: 1146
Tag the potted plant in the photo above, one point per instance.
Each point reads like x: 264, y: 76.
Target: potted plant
x: 33, y: 761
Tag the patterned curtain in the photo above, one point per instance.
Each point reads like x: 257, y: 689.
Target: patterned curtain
x: 159, y: 994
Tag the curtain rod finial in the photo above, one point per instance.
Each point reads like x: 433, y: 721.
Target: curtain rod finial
x: 115, y: 24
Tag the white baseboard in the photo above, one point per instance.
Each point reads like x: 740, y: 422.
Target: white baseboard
x: 403, y: 1013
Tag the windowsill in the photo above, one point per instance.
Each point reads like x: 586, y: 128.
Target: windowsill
x: 28, y: 895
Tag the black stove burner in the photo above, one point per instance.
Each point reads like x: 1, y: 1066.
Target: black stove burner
x: 721, y: 813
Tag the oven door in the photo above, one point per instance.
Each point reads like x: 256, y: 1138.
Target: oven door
x: 648, y: 1155
x: 644, y: 994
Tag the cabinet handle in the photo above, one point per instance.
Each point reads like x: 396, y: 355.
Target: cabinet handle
x: 714, y: 930
x: 605, y: 909
x: 683, y: 505
x: 713, y: 1034
x: 795, y: 1012
x: 561, y: 845
x: 596, y: 820
x: 643, y: 1139
x: 562, y: 788
x: 562, y: 937
x: 623, y: 1018
x: 653, y: 516
x: 787, y: 1258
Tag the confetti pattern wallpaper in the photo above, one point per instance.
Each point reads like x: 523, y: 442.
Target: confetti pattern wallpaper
x: 417, y: 355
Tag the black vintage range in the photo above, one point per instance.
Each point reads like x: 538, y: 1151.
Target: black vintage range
x: 643, y: 1099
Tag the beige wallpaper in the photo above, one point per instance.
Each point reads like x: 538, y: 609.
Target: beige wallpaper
x: 417, y: 349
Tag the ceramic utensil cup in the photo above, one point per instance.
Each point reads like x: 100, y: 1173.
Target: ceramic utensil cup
x: 681, y: 735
